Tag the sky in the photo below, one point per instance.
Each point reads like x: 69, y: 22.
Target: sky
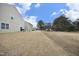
x: 33, y: 12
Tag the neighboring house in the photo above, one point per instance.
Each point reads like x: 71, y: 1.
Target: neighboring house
x: 10, y: 19
x: 48, y: 26
x: 28, y: 26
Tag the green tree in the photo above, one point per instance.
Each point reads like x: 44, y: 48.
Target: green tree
x: 76, y: 24
x: 41, y: 25
x: 62, y: 24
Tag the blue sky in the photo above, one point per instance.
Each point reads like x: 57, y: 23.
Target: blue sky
x: 44, y: 11
x: 33, y: 12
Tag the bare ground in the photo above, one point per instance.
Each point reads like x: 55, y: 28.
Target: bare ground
x: 39, y: 44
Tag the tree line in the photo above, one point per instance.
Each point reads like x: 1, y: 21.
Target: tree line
x: 61, y: 23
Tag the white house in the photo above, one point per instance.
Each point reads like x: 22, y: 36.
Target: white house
x: 11, y: 20
x: 28, y: 26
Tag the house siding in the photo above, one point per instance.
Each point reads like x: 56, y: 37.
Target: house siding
x: 6, y: 12
x: 28, y: 26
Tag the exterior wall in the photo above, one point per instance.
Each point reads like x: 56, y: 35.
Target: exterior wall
x: 28, y: 26
x: 6, y: 12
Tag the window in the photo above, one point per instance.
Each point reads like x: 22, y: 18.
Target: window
x: 2, y: 25
x: 7, y: 26
x: 12, y: 18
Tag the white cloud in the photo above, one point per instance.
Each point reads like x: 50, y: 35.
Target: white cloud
x: 32, y: 20
x: 54, y: 13
x: 73, y: 12
x: 72, y: 15
x: 23, y: 7
x: 63, y: 11
x: 73, y: 6
x: 37, y: 5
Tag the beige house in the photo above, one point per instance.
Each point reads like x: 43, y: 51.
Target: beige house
x: 11, y: 20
